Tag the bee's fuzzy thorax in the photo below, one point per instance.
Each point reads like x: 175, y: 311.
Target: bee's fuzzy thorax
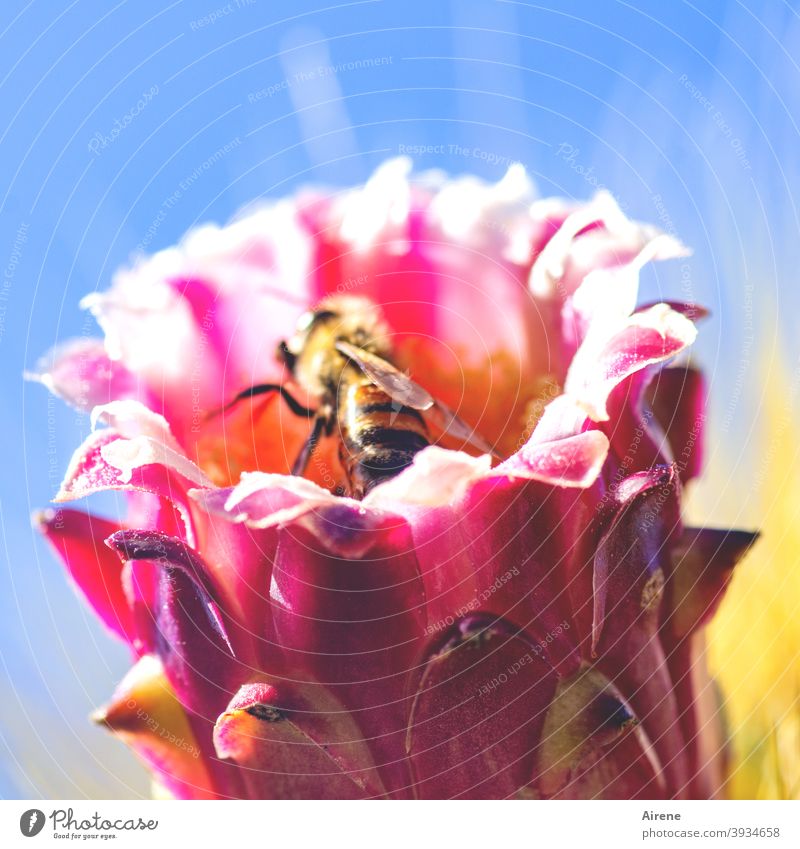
x: 360, y: 318
x: 319, y: 367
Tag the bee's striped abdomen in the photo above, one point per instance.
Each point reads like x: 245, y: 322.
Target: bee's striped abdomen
x: 379, y: 436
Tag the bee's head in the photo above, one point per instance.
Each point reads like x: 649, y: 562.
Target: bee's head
x: 311, y: 356
x: 289, y: 350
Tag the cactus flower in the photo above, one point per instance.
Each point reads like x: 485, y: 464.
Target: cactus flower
x: 524, y: 625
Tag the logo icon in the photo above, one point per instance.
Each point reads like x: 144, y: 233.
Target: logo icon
x: 31, y: 822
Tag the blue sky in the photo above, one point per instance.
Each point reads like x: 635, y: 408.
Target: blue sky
x: 687, y: 112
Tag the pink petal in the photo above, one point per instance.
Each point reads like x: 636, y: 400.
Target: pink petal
x: 608, y: 357
x: 237, y: 333
x: 574, y: 461
x: 522, y: 535
x: 478, y: 712
x: 694, y: 312
x: 352, y: 624
x: 631, y: 565
x: 262, y: 500
x: 678, y: 399
x: 201, y: 321
x: 590, y: 269
x: 593, y: 747
x: 78, y: 539
x: 487, y: 541
x: 276, y: 756
x: 184, y: 625
x: 142, y: 464
x: 423, y: 253
x: 145, y: 713
x: 82, y: 373
x: 563, y: 418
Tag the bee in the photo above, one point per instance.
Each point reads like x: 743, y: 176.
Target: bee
x: 340, y: 355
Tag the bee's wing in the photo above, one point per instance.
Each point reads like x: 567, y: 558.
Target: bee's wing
x: 398, y: 386
x: 404, y: 390
x: 448, y: 422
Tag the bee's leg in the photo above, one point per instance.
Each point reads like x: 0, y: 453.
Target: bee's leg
x: 301, y: 463
x: 263, y: 389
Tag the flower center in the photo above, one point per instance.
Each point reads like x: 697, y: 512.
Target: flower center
x: 499, y: 397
